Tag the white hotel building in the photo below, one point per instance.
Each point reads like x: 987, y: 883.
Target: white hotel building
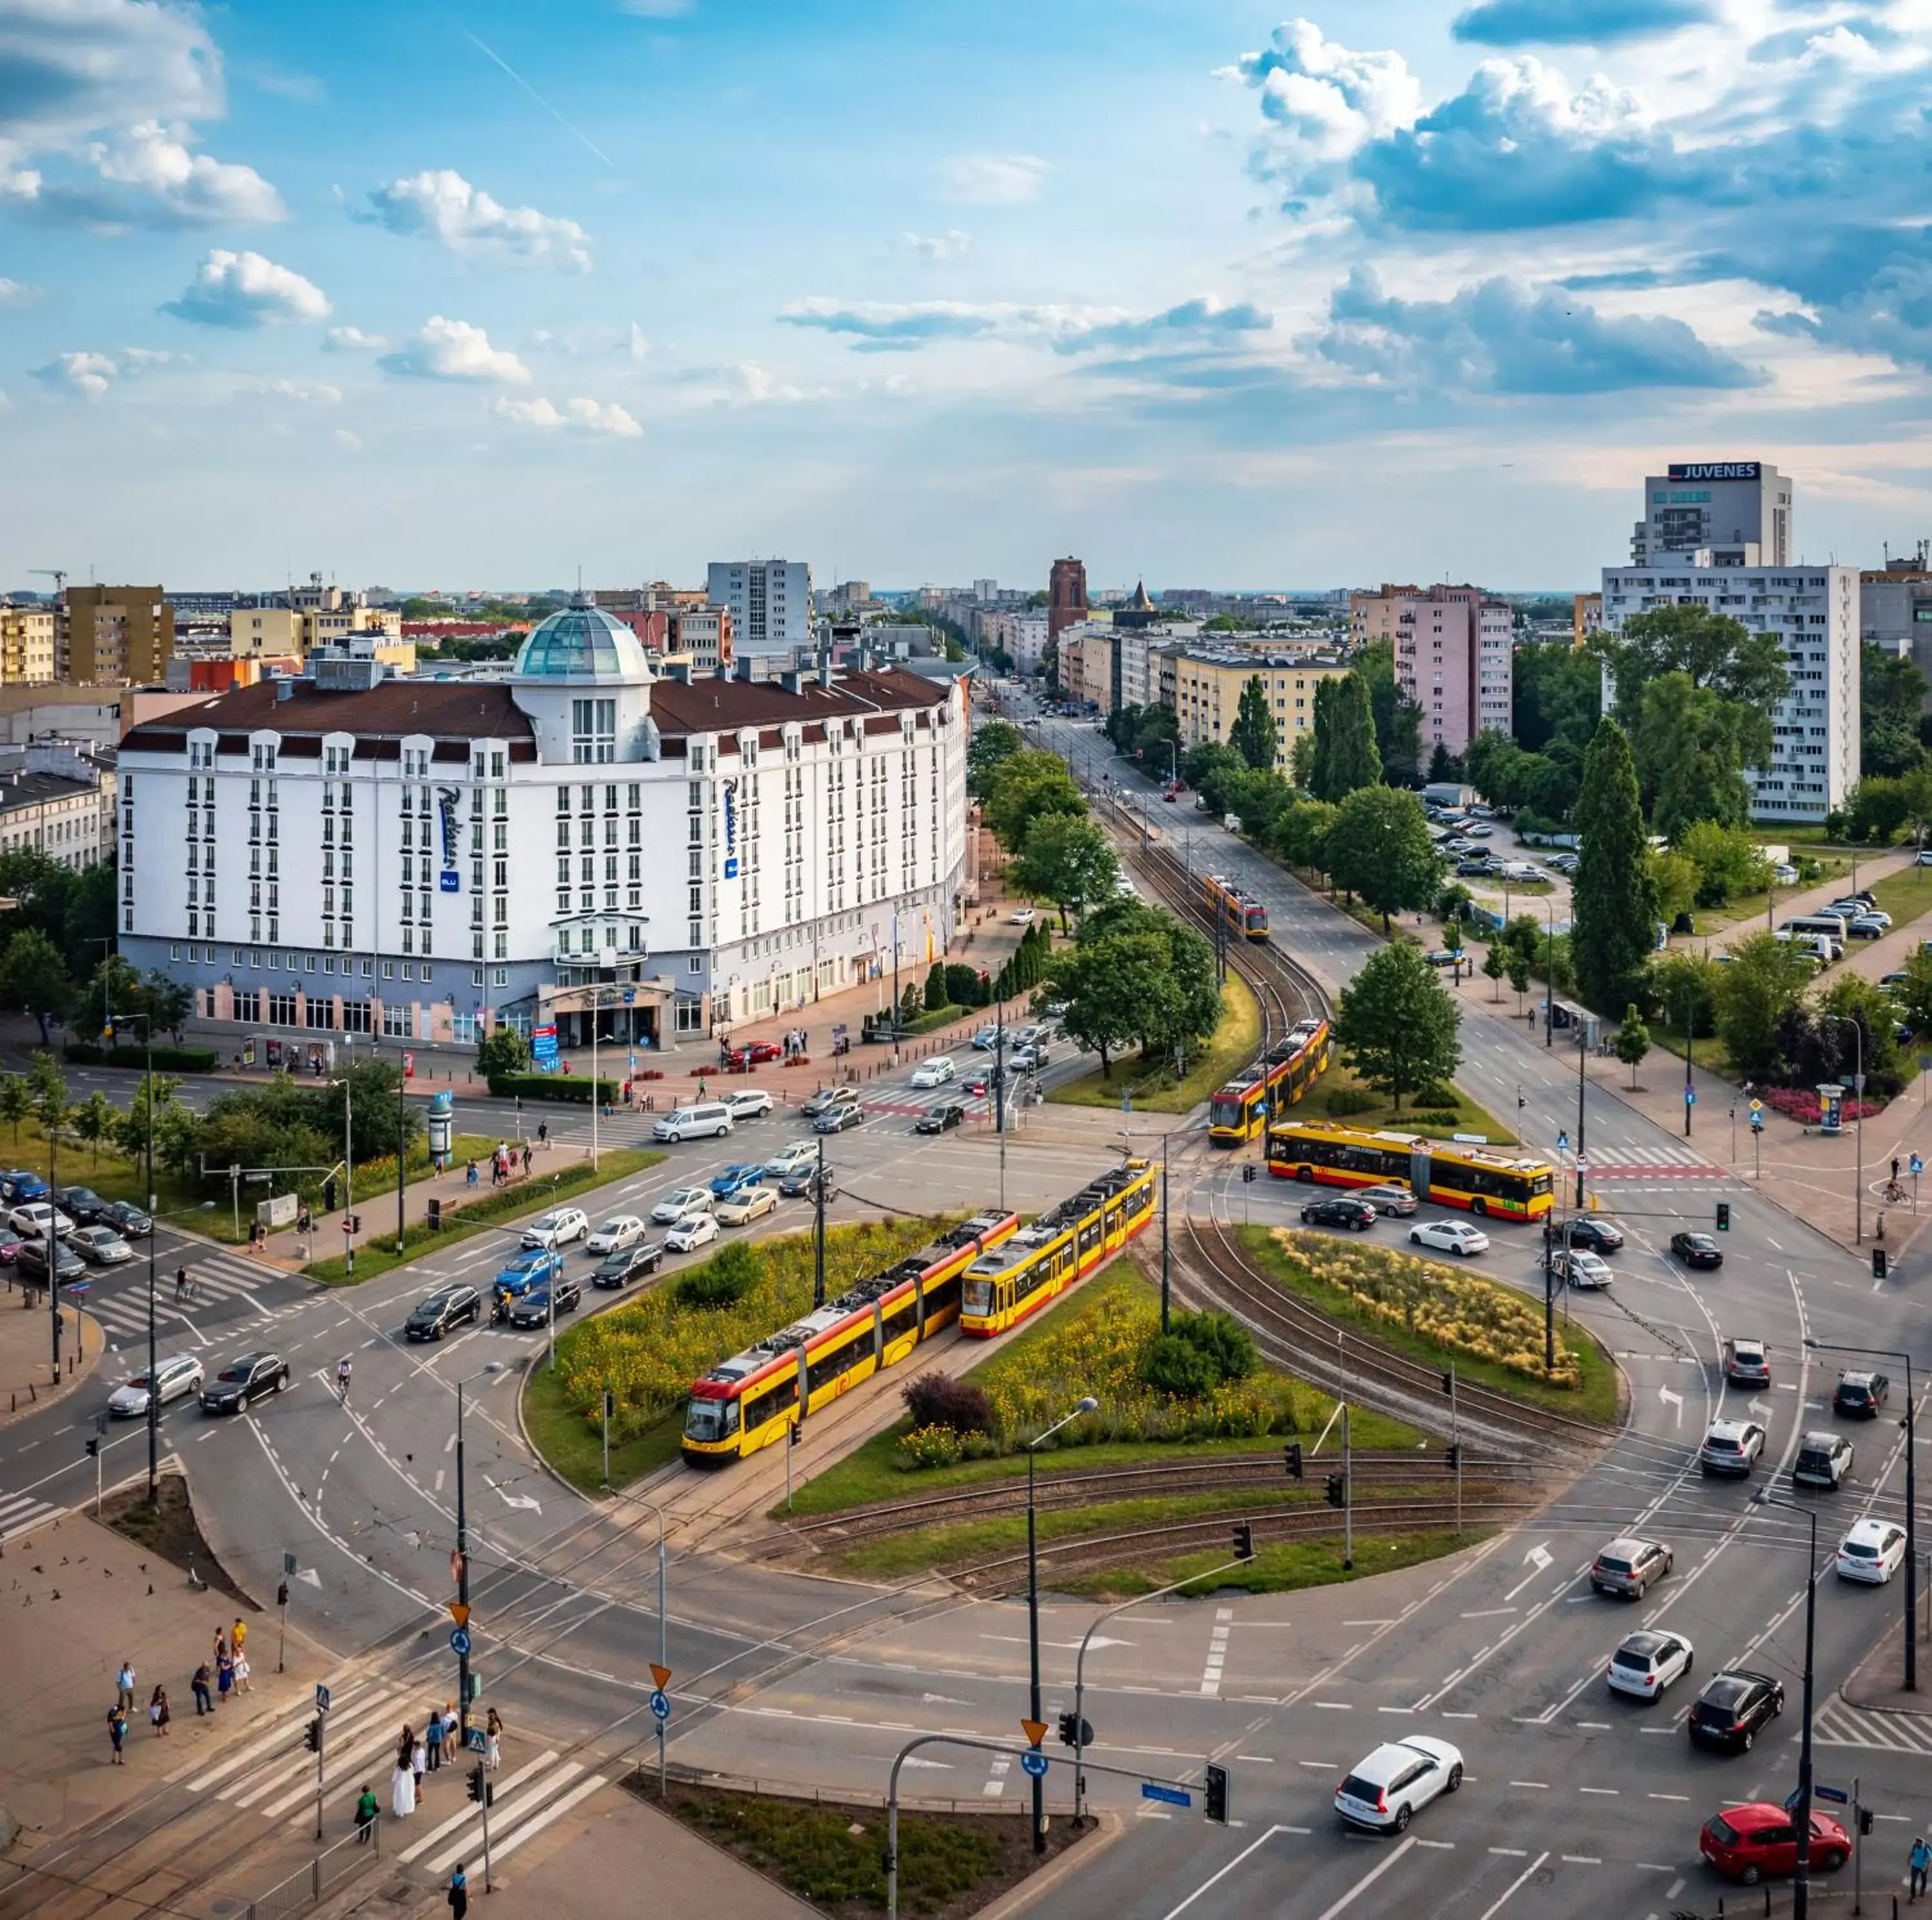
x: 1812, y: 612
x: 420, y: 858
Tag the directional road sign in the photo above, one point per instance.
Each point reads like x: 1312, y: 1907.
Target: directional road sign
x: 1034, y: 1762
x: 321, y: 1698
x: 459, y: 1641
x: 1173, y: 1796
x: 1837, y: 1795
x: 660, y: 1706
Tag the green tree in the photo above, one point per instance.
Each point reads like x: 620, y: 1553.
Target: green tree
x: 1111, y: 988
x: 1876, y: 808
x: 1301, y: 835
x: 1023, y: 787
x: 46, y: 1085
x: 1519, y: 975
x: 992, y: 741
x: 1891, y: 696
x: 502, y: 1050
x: 1852, y: 997
x: 1614, y: 908
x: 1729, y: 862
x: 168, y: 1003
x: 1443, y: 765
x: 1913, y: 994
x: 1177, y: 1025
x: 1258, y: 799
x: 94, y: 1120
x: 1379, y: 847
x: 1345, y: 755
x: 1557, y: 695
x: 1683, y: 986
x: 1398, y: 719
x: 1301, y: 759
x: 1632, y: 1043
x: 33, y: 978
x: 17, y: 1102
x: 723, y: 1280
x: 1254, y: 734
x: 90, y: 920
x: 1068, y: 860
x: 1496, y: 965
x: 1691, y: 747
x: 1397, y: 1025
x: 1767, y: 976
x: 1674, y: 881
x: 1208, y: 768
x: 936, y: 996
x: 1710, y: 649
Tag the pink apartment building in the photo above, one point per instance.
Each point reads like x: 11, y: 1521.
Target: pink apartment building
x: 1452, y: 657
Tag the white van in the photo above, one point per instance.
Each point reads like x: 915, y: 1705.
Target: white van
x: 1831, y: 925
x: 710, y: 1121
x: 1519, y: 870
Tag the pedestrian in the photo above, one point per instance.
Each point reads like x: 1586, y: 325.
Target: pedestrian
x: 220, y: 1643
x: 493, y: 1752
x: 405, y: 1745
x: 402, y: 1791
x: 470, y: 1175
x: 527, y: 1159
x: 366, y: 1806
x: 543, y: 1133
x: 418, y: 1761
x: 1919, y: 1860
x: 201, y: 1683
x: 433, y: 1738
x: 243, y: 1684
x: 459, y: 1893
x: 117, y: 1730
x: 701, y: 1086
x: 125, y: 1681
x: 158, y: 1715
x: 1894, y: 1170
x: 452, y: 1732
x: 238, y: 1635
x: 224, y: 1675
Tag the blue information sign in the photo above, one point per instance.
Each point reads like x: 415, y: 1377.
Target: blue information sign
x: 459, y: 1641
x: 1173, y: 1796
x: 321, y: 1697
x: 660, y: 1706
x: 1033, y: 1762
x: 450, y: 883
x: 476, y: 1740
x: 1690, y: 1096
x: 1837, y: 1795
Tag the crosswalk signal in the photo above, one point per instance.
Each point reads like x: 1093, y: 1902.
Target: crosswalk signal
x: 1335, y: 1490
x: 479, y: 1788
x: 1247, y: 1173
x: 1864, y: 1819
x: 1075, y: 1732
x: 435, y: 1214
x: 313, y: 1739
x: 1291, y: 1455
x: 1453, y: 1458
x: 1244, y: 1540
x: 282, y: 1595
x: 1879, y: 1262
x: 93, y: 1448
x: 1217, y: 1795
x: 1723, y: 1216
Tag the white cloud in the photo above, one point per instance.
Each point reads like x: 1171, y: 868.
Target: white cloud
x: 455, y: 350
x: 308, y: 394
x: 586, y: 416
x: 88, y: 375
x: 636, y: 347
x: 247, y: 290
x: 444, y: 207
x: 343, y: 438
x: 353, y: 339
x: 151, y: 178
x: 937, y: 248
x: 904, y: 326
x: 17, y: 293
x: 995, y: 180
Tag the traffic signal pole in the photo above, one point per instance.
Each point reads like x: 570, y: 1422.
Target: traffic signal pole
x: 1348, y: 1498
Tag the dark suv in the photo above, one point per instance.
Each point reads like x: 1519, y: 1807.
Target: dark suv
x: 253, y: 1375
x: 1731, y: 1709
x: 629, y: 1263
x: 454, y: 1307
x: 1860, y: 1395
x: 1594, y: 1236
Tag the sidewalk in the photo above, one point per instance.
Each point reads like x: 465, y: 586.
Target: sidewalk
x: 26, y: 1351
x: 1877, y: 1683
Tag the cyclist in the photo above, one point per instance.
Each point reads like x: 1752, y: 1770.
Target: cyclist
x: 342, y: 1367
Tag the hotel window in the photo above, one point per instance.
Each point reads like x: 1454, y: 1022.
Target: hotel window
x: 593, y: 730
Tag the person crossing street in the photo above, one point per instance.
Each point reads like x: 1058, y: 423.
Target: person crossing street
x: 1920, y: 1861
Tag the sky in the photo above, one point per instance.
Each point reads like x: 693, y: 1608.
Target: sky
x: 922, y: 291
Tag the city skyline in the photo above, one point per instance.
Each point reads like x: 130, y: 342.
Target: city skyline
x: 1205, y: 295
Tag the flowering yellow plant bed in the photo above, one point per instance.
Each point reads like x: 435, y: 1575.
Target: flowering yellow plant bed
x: 1455, y: 1308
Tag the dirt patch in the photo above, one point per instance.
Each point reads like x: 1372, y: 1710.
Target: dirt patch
x: 832, y: 1853
x: 172, y: 1533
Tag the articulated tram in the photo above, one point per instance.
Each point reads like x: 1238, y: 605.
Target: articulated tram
x: 1042, y: 1261
x: 752, y: 1400
x: 1241, y: 913
x: 1241, y: 1109
x: 1485, y: 1180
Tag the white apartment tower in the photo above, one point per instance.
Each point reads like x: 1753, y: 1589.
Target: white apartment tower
x: 770, y: 602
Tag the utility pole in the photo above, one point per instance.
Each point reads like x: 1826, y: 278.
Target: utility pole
x: 1347, y: 1497
x: 1165, y: 1271
x: 402, y: 1144
x: 1455, y: 1448
x: 818, y: 1236
x: 1000, y: 1096
x: 1582, y: 1048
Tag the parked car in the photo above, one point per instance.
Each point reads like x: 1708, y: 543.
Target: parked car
x: 1745, y: 1843
x: 734, y: 1178
x: 827, y: 1097
x: 1824, y: 1459
x: 802, y: 1184
x: 1696, y: 1250
x: 1450, y: 1236
x: 1734, y: 1705
x: 82, y: 1205
x: 619, y: 1231
x: 100, y: 1246
x: 1868, y: 926
x: 935, y: 1072
x: 1389, y: 1198
x: 746, y: 1205
x: 792, y: 1157
x: 1580, y: 1267
x: 1630, y: 1567
x: 941, y: 1117
x: 18, y: 1186
x: 1648, y: 1662
x: 629, y: 1263
x: 1439, y: 956
x: 557, y: 1228
x: 1587, y: 1231
x: 1860, y: 1394
x: 1340, y: 1210
x: 243, y: 1380
x: 449, y: 1308
x: 1746, y: 1362
x: 693, y: 1231
x: 678, y: 1202
x: 534, y: 1309
x: 836, y: 1120
x: 178, y: 1373
x: 1383, y: 1791
x: 31, y: 1263
x: 747, y: 1103
x: 1731, y: 1447
x: 1021, y: 916
x: 127, y: 1220
x: 1871, y: 1552
x: 29, y: 1219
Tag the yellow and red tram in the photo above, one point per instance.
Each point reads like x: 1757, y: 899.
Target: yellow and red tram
x: 1239, y: 912
x: 1240, y: 1109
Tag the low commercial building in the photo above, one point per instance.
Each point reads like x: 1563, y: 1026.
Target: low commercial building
x: 1895, y: 608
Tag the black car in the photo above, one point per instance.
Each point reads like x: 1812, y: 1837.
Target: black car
x: 1860, y: 1395
x: 629, y: 1263
x: 32, y: 1262
x: 82, y: 1205
x: 939, y: 1118
x: 454, y: 1307
x: 836, y: 1120
x: 802, y: 1184
x: 1732, y: 1708
x: 1696, y: 1250
x: 825, y: 1099
x: 127, y: 1220
x: 249, y: 1378
x: 1339, y: 1210
x: 533, y: 1310
x: 1594, y: 1236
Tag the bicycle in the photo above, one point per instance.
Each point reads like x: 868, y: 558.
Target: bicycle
x: 1894, y: 1192
x: 342, y: 1383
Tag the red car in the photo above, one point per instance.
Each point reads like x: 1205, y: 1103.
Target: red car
x: 9, y: 1247
x: 1746, y: 1843
x: 756, y: 1053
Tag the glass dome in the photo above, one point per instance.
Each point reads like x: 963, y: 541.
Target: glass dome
x: 584, y: 643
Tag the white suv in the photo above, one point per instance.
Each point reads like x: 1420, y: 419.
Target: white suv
x: 1872, y: 1551
x: 1381, y: 1792
x: 747, y: 1103
x: 557, y: 1229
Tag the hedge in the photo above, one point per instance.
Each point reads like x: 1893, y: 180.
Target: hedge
x: 167, y: 1059
x: 580, y: 1090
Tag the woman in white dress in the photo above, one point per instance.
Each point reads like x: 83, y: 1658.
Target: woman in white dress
x: 402, y: 1792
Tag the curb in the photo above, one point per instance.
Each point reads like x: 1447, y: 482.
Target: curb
x: 523, y: 1378
x: 1894, y: 1637
x: 1108, y: 1827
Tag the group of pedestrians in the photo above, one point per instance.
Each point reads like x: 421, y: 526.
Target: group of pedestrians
x: 503, y: 1161
x: 213, y: 1680
x: 417, y: 1753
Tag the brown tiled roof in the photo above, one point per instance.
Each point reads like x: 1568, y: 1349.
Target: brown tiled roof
x: 446, y: 709
x: 727, y: 706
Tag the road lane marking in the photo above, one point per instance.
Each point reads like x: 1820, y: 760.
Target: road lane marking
x: 1252, y: 1845
x: 1361, y: 1887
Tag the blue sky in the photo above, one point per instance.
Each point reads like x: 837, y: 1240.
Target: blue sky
x: 478, y: 294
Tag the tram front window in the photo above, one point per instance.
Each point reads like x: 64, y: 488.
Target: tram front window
x: 979, y: 1296
x: 1225, y: 1111
x: 704, y: 1420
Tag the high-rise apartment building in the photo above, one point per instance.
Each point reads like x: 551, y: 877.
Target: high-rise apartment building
x: 1372, y: 616
x: 1739, y: 510
x: 1453, y: 657
x: 769, y: 602
x: 1065, y: 597
x: 26, y: 644
x: 116, y: 634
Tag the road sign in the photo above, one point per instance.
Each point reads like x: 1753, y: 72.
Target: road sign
x: 1918, y: 1165
x: 321, y: 1698
x: 459, y: 1641
x: 660, y: 1706
x: 288, y: 1563
x: 660, y: 1676
x: 459, y: 1613
x: 1035, y: 1730
x: 1757, y: 1107
x: 1172, y: 1796
x: 476, y: 1740
x: 1837, y: 1795
x: 1757, y: 1123
x: 1562, y: 1141
x: 1034, y: 1763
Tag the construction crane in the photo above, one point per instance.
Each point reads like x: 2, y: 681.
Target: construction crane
x: 57, y: 574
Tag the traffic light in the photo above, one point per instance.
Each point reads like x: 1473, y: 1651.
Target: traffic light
x: 93, y: 1448
x: 1335, y: 1490
x: 1075, y: 1732
x: 1244, y: 1540
x: 479, y: 1790
x: 1247, y: 1173
x: 1291, y: 1455
x: 435, y: 1214
x: 313, y: 1739
x: 1453, y: 1458
x: 1723, y: 1216
x: 356, y: 1223
x: 282, y: 1595
x: 1880, y: 1259
x: 1449, y: 1379
x: 1864, y: 1819
x: 1217, y: 1795
x: 329, y: 1194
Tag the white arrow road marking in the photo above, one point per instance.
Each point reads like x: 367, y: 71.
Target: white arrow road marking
x: 310, y: 1574
x: 1070, y: 1646
x: 509, y: 1499
x: 944, y: 1766
x: 939, y: 1700
x: 1762, y: 1408
x: 1670, y: 1399
x: 1537, y: 1559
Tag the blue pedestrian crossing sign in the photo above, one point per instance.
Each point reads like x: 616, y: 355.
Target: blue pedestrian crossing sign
x: 1918, y: 1165
x: 1690, y: 1096
x: 660, y: 1705
x: 476, y: 1740
x: 321, y: 1698
x: 459, y: 1641
x: 1562, y: 1142
x: 1033, y: 1762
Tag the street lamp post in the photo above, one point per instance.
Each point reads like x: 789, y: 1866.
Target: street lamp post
x: 663, y: 1653
x: 1801, y: 1815
x: 1085, y: 1406
x: 1858, y: 1126
x: 1689, y: 1043
x: 1910, y: 1424
x: 463, y: 1559
x: 154, y: 1396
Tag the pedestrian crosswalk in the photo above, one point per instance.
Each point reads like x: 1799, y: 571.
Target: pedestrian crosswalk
x: 221, y: 1281
x: 1668, y: 1162
x: 1839, y: 1725
x: 21, y: 1513
x: 274, y: 1775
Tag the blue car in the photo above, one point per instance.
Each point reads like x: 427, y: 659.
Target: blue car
x: 534, y: 1268
x: 747, y: 1173
x: 18, y: 1187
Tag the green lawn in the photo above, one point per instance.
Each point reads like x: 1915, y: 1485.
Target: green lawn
x: 1236, y: 1042
x: 1280, y: 1568
x: 1596, y: 1399
x: 573, y: 1447
x: 1471, y: 1117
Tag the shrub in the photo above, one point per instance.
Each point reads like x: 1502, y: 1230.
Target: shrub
x: 167, y: 1059
x: 572, y: 1087
x: 1173, y: 1364
x: 928, y: 1446
x: 722, y: 1281
x: 1225, y: 1341
x: 937, y: 1399
x: 1342, y: 1101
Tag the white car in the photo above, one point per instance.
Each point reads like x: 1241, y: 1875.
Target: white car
x: 30, y: 1221
x: 101, y: 1244
x: 746, y: 1205
x: 1021, y: 916
x: 622, y: 1230
x: 558, y: 1229
x: 747, y: 1103
x: 679, y: 1203
x: 1582, y: 1267
x: 1397, y: 1780
x: 1872, y: 1551
x: 1450, y: 1236
x: 179, y: 1374
x: 693, y: 1231
x: 793, y: 1157
x: 1648, y: 1662
x: 935, y: 1072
